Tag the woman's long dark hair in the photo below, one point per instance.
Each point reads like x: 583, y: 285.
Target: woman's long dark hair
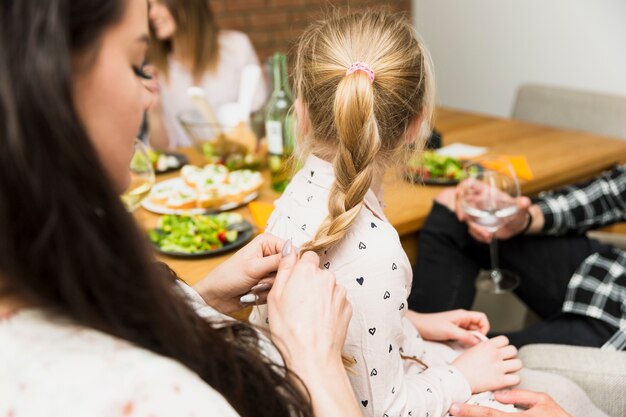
x: 196, y: 33
x: 66, y: 242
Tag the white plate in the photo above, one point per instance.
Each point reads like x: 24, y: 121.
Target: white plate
x: 180, y: 183
x: 461, y: 151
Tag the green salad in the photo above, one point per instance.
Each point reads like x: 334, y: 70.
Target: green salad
x: 432, y: 166
x: 198, y: 233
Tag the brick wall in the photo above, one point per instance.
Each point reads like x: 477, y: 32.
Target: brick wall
x: 273, y: 25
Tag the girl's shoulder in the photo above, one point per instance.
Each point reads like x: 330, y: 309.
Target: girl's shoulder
x: 60, y: 368
x: 370, y: 241
x: 300, y: 210
x: 303, y: 206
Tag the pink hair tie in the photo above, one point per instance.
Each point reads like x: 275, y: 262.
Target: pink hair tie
x: 361, y: 66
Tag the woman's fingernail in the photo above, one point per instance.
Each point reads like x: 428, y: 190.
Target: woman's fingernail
x: 249, y: 298
x: 455, y: 408
x: 260, y: 288
x: 286, y: 248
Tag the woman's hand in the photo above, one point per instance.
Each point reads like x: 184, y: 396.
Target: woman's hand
x: 308, y: 317
x: 252, y: 268
x: 538, y: 404
x: 308, y: 312
x: 455, y: 325
x: 490, y: 365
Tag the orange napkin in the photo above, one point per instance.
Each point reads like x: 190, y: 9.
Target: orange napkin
x: 260, y: 213
x: 519, y: 164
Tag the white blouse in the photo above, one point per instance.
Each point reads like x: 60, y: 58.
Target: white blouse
x: 52, y: 367
x: 221, y: 87
x: 371, y: 264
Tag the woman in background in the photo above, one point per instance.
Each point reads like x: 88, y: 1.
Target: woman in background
x: 188, y: 49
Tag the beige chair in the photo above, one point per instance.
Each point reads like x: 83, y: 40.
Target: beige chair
x: 571, y: 109
x: 601, y: 374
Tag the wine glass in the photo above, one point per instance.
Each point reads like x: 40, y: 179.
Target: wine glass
x: 488, y: 199
x: 141, y: 177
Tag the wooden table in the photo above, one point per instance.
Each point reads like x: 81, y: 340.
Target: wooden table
x: 556, y: 157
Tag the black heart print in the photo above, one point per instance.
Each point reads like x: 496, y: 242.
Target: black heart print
x: 309, y: 198
x: 364, y: 402
x: 312, y: 173
x: 362, y: 245
x: 303, y: 227
x: 374, y: 372
x: 394, y: 266
x: 267, y: 320
x: 327, y: 265
x: 410, y: 413
x: 401, y: 349
x: 393, y: 390
x: 429, y: 390
x: 360, y: 280
x: 385, y: 415
x: 373, y: 225
x: 372, y: 331
x: 401, y: 306
x: 309, y: 181
x: 390, y: 348
x: 387, y: 295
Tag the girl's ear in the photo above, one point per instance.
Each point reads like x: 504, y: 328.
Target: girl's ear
x: 414, y: 134
x: 302, y: 115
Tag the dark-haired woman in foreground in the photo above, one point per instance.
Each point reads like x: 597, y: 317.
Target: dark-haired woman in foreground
x: 90, y: 324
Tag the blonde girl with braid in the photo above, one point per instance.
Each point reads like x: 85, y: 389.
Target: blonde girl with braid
x: 364, y: 88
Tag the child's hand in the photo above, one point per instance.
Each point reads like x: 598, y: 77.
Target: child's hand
x: 455, y: 325
x: 490, y: 365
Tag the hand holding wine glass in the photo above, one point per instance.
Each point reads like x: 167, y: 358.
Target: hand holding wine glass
x: 488, y: 199
x: 517, y: 225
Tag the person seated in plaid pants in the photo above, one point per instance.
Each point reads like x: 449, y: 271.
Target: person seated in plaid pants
x: 575, y: 284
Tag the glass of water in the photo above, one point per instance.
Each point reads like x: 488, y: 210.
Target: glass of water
x: 141, y: 177
x: 488, y: 199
